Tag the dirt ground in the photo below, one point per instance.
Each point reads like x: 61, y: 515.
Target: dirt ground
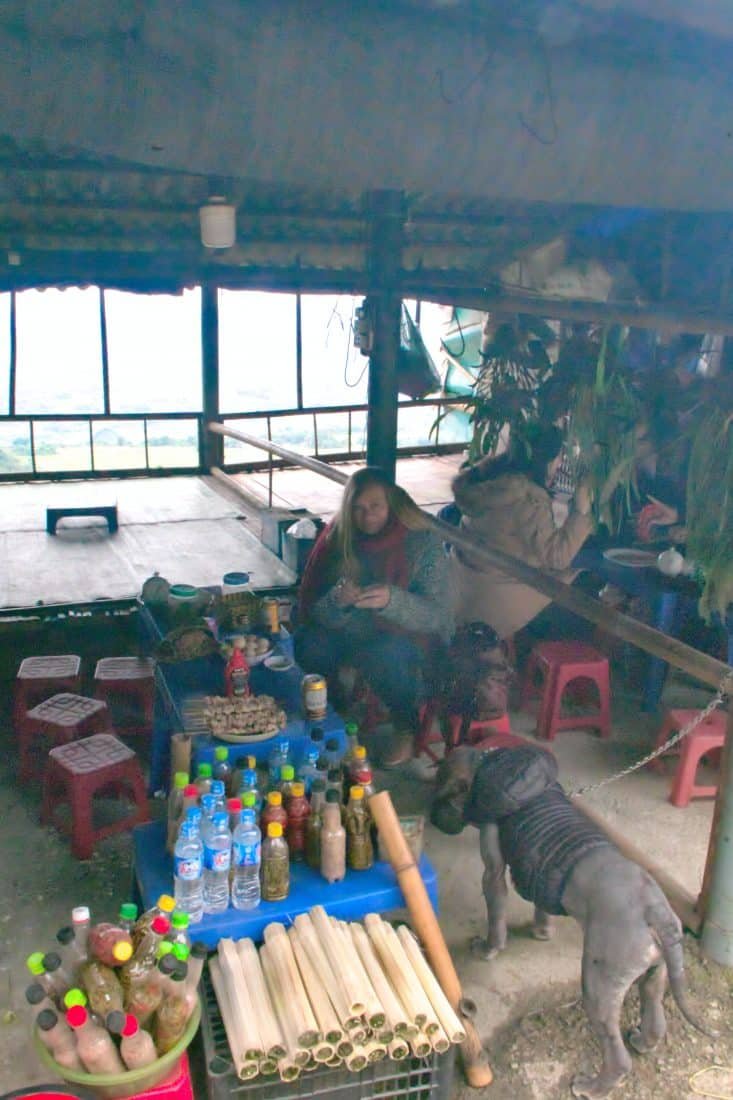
x: 535, y: 1030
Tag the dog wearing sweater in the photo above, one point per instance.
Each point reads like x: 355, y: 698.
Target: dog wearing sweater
x: 565, y: 865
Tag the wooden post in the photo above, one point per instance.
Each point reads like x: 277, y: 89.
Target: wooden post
x: 212, y: 446
x: 384, y: 260
x: 715, y: 903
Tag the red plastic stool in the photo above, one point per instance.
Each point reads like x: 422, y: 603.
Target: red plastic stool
x: 176, y: 1086
x: 560, y: 663
x: 40, y: 677
x: 118, y: 680
x: 60, y: 719
x: 82, y: 769
x: 706, y: 737
x: 478, y: 730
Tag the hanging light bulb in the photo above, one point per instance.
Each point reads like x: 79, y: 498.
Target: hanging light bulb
x: 218, y: 220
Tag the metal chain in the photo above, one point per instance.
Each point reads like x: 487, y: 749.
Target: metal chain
x: 720, y: 697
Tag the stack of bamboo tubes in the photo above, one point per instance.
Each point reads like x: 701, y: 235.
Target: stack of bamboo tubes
x: 325, y: 992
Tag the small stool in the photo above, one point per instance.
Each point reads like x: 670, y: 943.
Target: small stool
x: 40, y: 677
x: 478, y: 730
x: 118, y: 680
x: 176, y: 1086
x: 76, y: 772
x: 559, y: 664
x: 708, y: 736
x: 60, y: 719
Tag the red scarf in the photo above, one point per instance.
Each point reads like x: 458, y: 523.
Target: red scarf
x: 381, y: 559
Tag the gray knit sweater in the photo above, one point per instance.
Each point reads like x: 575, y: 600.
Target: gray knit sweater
x: 425, y: 606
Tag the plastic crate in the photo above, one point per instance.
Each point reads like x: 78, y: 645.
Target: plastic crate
x: 412, y: 1079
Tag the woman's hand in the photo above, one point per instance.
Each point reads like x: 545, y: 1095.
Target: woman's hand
x: 346, y: 593
x: 374, y: 597
x: 582, y: 498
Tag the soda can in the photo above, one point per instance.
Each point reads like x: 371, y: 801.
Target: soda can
x: 315, y: 695
x: 271, y: 614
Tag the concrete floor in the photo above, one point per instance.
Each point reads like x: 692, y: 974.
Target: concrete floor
x: 40, y: 890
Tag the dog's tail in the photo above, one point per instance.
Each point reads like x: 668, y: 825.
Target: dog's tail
x: 668, y: 931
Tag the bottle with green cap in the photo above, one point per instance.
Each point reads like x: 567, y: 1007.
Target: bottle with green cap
x: 285, y: 783
x: 48, y: 979
x: 181, y: 951
x: 203, y: 778
x: 250, y: 785
x: 127, y: 916
x: 163, y: 907
x: 221, y: 768
x: 179, y: 929
x: 75, y: 996
x: 351, y: 729
x: 175, y: 808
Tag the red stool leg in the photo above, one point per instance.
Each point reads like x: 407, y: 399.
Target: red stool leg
x: 684, y: 787
x: 667, y: 728
x: 82, y: 822
x: 479, y: 730
x: 549, y: 705
x: 604, y: 697
x: 529, y: 690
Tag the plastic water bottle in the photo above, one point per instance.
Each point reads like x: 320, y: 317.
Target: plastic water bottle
x: 308, y: 769
x: 219, y: 792
x: 217, y: 857
x: 250, y: 783
x: 247, y: 856
x: 208, y: 806
x: 276, y: 759
x: 188, y: 872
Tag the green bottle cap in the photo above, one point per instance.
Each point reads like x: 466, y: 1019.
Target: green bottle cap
x: 180, y: 920
x: 34, y: 963
x: 249, y: 800
x: 204, y: 771
x: 287, y: 772
x: 181, y: 951
x: 180, y: 779
x: 221, y: 752
x: 128, y: 911
x: 333, y: 796
x: 164, y: 948
x: 75, y: 997
x: 352, y: 729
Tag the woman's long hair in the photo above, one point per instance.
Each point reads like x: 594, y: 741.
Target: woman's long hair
x: 529, y: 455
x: 401, y: 508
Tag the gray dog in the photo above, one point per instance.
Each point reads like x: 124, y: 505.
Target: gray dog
x: 565, y: 865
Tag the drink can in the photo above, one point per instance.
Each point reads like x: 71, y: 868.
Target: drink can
x: 271, y: 614
x: 315, y: 696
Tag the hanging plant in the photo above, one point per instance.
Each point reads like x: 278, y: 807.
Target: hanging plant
x: 710, y: 510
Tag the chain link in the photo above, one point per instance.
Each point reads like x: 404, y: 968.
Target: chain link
x: 720, y: 697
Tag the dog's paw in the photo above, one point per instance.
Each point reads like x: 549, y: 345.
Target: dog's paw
x: 585, y: 1087
x: 543, y: 931
x: 482, y: 948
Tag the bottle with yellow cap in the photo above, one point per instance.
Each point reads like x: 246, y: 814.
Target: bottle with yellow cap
x: 359, y: 848
x: 163, y: 907
x: 274, y: 811
x: 275, y: 864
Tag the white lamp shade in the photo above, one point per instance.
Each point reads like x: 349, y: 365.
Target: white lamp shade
x: 218, y: 223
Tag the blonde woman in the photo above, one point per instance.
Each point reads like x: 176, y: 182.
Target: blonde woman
x: 376, y: 596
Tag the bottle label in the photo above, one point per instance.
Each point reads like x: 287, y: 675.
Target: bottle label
x: 217, y: 859
x: 188, y: 867
x: 246, y: 855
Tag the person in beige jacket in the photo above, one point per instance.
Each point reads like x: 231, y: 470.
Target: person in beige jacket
x: 505, y: 505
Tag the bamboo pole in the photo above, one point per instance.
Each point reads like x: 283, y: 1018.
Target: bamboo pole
x: 240, y: 1002
x: 269, y: 1028
x: 243, y: 1068
x: 387, y: 997
x: 333, y: 946
x: 322, y: 964
x: 430, y: 1020
x: 296, y: 1055
x: 323, y: 1010
x: 374, y: 1010
x: 296, y: 998
x: 716, y: 899
x: 375, y: 926
x: 398, y: 1050
x: 446, y: 1016
x: 425, y: 922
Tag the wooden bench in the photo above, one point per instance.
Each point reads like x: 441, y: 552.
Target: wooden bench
x: 108, y: 511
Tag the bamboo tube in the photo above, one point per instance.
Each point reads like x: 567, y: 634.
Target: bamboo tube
x: 358, y: 1035
x: 385, y: 1035
x: 294, y: 1053
x: 357, y: 1060
x: 267, y: 1023
x: 321, y: 1052
x: 333, y: 946
x: 323, y: 1010
x: 296, y: 998
x: 424, y: 921
x: 439, y: 1041
x: 374, y: 1011
x: 398, y: 1050
x: 344, y: 1048
x: 396, y: 970
x: 447, y: 1018
x: 421, y: 1046
x: 288, y: 1070
x: 393, y: 1010
x: 335, y: 1062
x: 431, y: 1020
x: 240, y: 1003
x: 268, y: 1066
x: 322, y: 965
x: 375, y: 1051
x: 241, y: 1065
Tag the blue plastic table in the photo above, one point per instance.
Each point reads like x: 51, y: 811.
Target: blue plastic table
x: 372, y: 891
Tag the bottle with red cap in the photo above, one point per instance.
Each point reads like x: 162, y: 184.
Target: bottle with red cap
x: 57, y: 1036
x: 163, y: 907
x: 94, y: 1045
x: 137, y: 1048
x: 146, y: 952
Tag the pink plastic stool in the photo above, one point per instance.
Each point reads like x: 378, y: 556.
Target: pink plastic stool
x: 119, y: 680
x: 176, y: 1086
x: 559, y: 663
x: 76, y: 772
x: 478, y: 730
x: 705, y: 738
x: 60, y: 719
x: 39, y: 678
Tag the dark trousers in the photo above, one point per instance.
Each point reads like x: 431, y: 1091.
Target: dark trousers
x: 391, y: 664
